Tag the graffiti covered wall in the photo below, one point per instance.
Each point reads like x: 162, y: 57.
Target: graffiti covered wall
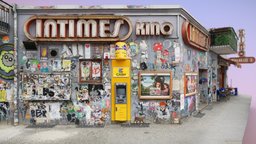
x: 7, y: 59
x: 88, y: 70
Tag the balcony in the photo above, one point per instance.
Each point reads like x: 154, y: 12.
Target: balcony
x: 223, y: 41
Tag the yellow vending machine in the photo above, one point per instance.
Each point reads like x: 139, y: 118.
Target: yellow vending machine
x: 121, y: 87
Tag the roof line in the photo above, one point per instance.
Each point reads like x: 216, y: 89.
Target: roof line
x: 6, y: 3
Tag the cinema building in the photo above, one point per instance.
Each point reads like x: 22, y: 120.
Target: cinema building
x: 93, y: 65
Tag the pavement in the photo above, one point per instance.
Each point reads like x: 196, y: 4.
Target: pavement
x: 250, y: 130
x: 223, y: 123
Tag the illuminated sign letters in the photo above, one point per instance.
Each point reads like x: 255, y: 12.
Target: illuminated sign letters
x: 153, y: 28
x: 78, y: 28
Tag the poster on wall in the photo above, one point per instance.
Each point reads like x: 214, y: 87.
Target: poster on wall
x: 54, y: 111
x: 87, y: 51
x: 96, y: 70
x: 83, y: 93
x: 56, y: 65
x: 190, y: 104
x: 2, y: 95
x: 190, y: 83
x: 85, y: 68
x: 44, y: 53
x: 46, y: 86
x: 90, y: 71
x: 44, y: 66
x: 66, y: 65
x: 32, y: 65
x: 155, y: 85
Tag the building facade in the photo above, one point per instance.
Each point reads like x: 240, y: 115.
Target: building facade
x: 97, y: 65
x: 7, y: 65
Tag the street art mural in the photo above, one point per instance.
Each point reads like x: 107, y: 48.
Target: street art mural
x: 6, y: 78
x: 6, y: 62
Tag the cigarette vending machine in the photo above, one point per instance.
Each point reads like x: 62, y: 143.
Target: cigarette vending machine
x: 121, y: 90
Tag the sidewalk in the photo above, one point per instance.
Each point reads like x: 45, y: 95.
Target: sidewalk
x: 249, y: 134
x: 223, y: 124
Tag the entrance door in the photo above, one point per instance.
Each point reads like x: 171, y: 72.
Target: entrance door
x: 221, y: 77
x: 203, y: 87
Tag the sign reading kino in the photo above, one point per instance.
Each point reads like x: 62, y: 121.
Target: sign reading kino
x: 78, y: 28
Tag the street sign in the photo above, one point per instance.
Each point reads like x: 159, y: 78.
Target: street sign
x: 243, y: 59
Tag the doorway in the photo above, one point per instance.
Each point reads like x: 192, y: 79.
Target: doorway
x: 203, y: 88
x: 221, y: 77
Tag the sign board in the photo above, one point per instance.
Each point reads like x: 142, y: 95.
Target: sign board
x: 195, y: 37
x: 241, y: 52
x: 78, y: 28
x: 153, y: 28
x: 243, y: 59
x: 121, y: 71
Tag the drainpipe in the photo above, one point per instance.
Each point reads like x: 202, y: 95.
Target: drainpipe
x: 15, y: 88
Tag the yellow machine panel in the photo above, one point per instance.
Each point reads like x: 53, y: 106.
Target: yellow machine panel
x: 121, y: 112
x: 121, y: 90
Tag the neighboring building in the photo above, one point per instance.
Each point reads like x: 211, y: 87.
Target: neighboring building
x: 7, y: 57
x: 72, y: 70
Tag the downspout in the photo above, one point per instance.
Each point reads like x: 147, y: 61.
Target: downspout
x: 15, y: 88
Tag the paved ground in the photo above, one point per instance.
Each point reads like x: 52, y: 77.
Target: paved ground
x: 224, y: 124
x: 250, y: 130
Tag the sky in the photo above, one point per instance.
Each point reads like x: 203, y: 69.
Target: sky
x: 211, y: 14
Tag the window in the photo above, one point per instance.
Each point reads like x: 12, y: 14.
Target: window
x: 90, y: 71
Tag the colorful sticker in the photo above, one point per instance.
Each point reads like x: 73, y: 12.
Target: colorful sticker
x: 85, y: 67
x: 96, y: 70
x: 56, y: 65
x: 3, y: 96
x: 134, y: 47
x: 158, y: 46
x: 66, y: 65
x: 5, y: 39
x: 112, y: 51
x: 44, y: 52
x: 87, y: 51
x: 44, y: 66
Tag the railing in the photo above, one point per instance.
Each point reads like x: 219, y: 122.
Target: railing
x: 4, y: 19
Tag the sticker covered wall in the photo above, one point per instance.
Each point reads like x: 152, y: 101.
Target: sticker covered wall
x: 71, y: 72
